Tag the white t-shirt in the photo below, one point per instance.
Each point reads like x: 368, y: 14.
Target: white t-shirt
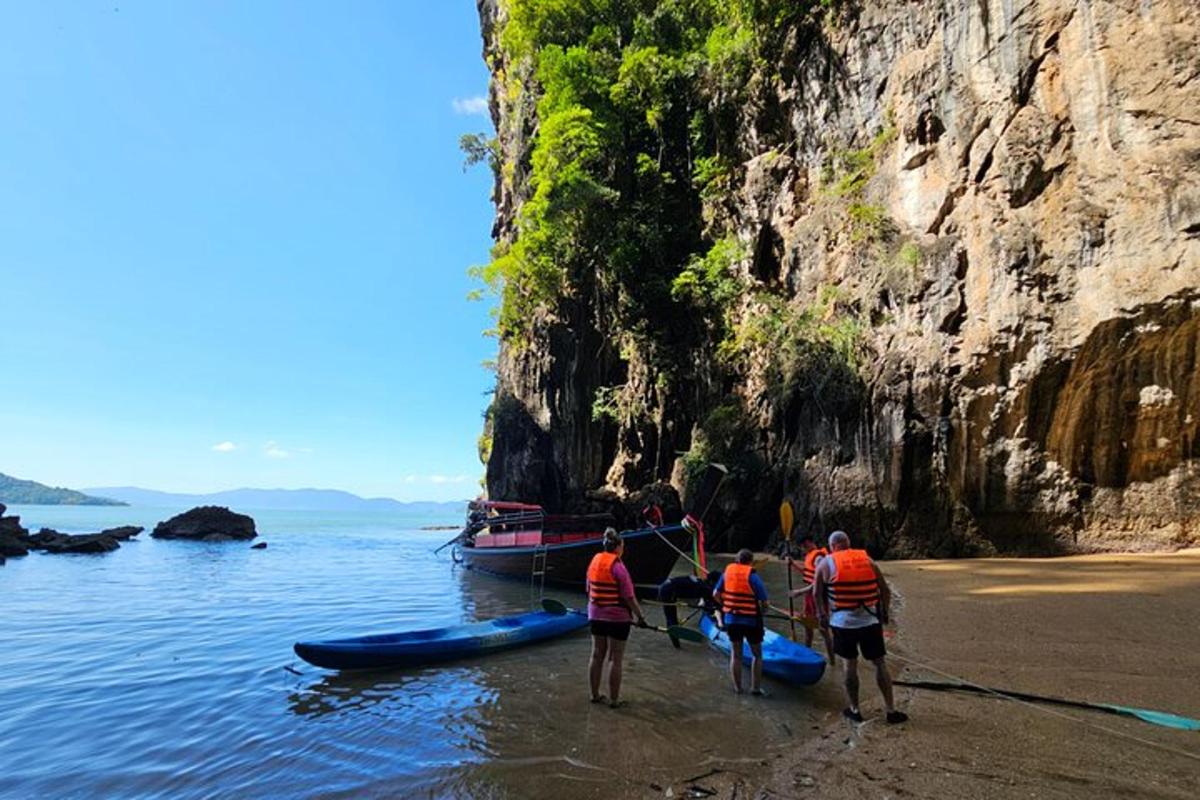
x: 847, y: 617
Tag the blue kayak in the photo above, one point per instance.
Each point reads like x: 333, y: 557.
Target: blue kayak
x: 412, y: 648
x: 782, y: 658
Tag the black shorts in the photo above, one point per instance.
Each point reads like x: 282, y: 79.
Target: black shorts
x: 848, y: 641
x: 751, y: 633
x: 613, y: 630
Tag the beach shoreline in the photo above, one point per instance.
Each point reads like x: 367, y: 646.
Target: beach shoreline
x: 1090, y: 627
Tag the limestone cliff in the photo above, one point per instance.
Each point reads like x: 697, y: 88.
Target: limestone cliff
x: 1003, y: 199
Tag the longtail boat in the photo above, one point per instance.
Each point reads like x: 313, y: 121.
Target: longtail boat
x: 521, y: 541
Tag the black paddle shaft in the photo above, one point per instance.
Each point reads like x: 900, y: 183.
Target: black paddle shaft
x: 936, y: 686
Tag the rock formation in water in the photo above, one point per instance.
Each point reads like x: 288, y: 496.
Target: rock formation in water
x: 933, y: 274
x: 13, y: 537
x: 51, y: 541
x: 207, y: 524
x: 16, y: 540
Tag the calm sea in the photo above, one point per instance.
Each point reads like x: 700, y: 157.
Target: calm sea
x: 164, y: 669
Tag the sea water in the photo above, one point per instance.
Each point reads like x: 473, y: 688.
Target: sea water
x: 165, y: 669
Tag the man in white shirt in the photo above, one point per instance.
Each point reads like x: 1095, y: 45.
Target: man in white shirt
x: 852, y: 598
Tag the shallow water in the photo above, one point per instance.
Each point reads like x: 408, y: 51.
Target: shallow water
x: 159, y: 670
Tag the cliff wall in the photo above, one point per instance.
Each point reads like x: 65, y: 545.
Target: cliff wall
x: 965, y: 243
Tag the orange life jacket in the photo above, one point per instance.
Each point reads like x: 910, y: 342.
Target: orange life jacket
x: 602, y: 584
x: 810, y: 563
x: 737, y: 595
x: 854, y: 584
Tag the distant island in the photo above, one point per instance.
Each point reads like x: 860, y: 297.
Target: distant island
x: 278, y: 500
x: 31, y: 493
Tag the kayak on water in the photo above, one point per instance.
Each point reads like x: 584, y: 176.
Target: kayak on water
x: 782, y: 658
x: 412, y: 648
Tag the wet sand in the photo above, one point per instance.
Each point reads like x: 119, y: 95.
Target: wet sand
x: 1121, y: 629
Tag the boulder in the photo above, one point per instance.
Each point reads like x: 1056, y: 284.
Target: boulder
x: 13, y: 538
x: 51, y: 541
x: 207, y: 524
x: 123, y: 533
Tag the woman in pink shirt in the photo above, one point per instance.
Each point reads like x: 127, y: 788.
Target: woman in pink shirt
x: 612, y: 607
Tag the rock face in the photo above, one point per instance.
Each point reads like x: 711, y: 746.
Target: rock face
x: 207, y: 524
x: 1024, y: 255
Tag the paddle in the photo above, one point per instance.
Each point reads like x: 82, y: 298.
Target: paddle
x: 678, y: 631
x: 447, y: 544
x: 785, y: 527
x: 807, y: 622
x: 1145, y: 714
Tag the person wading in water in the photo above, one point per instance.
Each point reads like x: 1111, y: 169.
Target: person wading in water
x: 742, y: 597
x: 807, y: 567
x: 612, y: 607
x: 852, y: 598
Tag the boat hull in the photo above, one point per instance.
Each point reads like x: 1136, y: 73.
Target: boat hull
x: 648, y: 558
x: 415, y: 648
x: 783, y: 659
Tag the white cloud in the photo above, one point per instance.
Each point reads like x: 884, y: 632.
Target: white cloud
x: 470, y: 105
x: 225, y: 447
x: 273, y: 450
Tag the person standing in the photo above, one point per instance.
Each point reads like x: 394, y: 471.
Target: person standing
x: 811, y: 555
x: 742, y: 597
x: 853, y: 598
x: 612, y: 607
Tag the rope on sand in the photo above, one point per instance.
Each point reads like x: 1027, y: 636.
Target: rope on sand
x: 1052, y: 712
x: 987, y: 690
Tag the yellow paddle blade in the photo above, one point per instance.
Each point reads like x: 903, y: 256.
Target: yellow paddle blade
x: 785, y: 520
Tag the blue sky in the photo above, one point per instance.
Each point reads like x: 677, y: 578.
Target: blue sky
x: 233, y: 245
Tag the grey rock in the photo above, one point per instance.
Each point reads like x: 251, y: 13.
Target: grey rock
x: 207, y: 524
x: 13, y: 538
x: 1030, y: 385
x: 51, y: 541
x: 123, y: 533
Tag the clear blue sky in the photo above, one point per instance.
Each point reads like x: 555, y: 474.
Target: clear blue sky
x: 233, y: 245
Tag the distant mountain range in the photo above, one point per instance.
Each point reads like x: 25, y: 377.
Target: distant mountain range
x: 20, y: 492
x: 278, y: 500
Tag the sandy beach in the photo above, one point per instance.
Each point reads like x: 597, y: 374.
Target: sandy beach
x: 1119, y: 629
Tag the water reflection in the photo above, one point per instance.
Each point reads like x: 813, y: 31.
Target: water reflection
x: 175, y: 652
x: 448, y: 689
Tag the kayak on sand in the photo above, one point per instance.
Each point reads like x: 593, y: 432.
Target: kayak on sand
x: 412, y: 648
x: 783, y: 659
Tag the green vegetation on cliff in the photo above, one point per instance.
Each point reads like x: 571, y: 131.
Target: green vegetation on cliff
x: 635, y: 103
x: 21, y: 492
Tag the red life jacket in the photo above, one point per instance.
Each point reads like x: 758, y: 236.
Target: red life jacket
x: 602, y: 584
x: 810, y: 563
x: 854, y: 584
x: 737, y: 595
